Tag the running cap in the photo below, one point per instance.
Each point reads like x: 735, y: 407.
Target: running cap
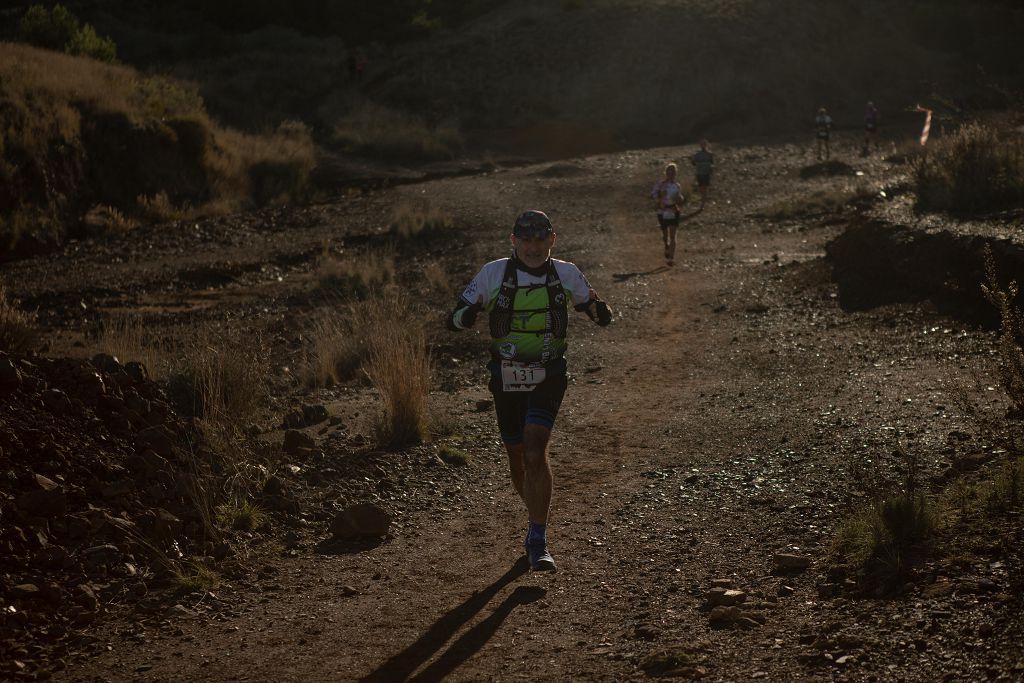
x: 532, y: 223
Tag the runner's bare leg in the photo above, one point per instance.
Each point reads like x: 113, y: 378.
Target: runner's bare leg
x: 537, y: 482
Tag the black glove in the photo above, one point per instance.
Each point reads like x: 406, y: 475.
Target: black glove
x: 463, y: 316
x: 604, y: 313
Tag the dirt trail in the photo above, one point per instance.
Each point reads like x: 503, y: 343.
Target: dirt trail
x: 713, y: 425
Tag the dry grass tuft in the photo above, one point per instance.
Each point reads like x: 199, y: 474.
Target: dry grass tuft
x: 356, y: 275
x: 18, y: 331
x: 414, y: 218
x: 127, y: 338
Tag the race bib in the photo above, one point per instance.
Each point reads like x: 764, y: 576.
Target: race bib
x: 668, y: 213
x: 520, y: 376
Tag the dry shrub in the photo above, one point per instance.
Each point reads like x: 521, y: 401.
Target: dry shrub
x: 379, y: 131
x: 356, y: 275
x: 103, y: 220
x: 1011, y: 333
x: 18, y: 331
x: 62, y: 114
x: 159, y: 208
x: 398, y: 365
x: 975, y: 170
x: 413, y: 218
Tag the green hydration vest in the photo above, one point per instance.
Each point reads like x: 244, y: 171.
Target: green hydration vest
x: 528, y: 324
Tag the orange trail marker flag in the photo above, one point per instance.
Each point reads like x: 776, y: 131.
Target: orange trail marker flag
x: 927, y: 123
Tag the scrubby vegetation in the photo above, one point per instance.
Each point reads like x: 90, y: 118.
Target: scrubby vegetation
x: 18, y: 330
x: 58, y: 29
x: 83, y: 134
x: 374, y: 129
x: 977, y: 169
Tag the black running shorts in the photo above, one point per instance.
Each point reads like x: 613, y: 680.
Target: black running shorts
x: 516, y: 409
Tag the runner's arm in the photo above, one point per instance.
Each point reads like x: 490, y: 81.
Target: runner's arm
x: 463, y: 316
x: 596, y: 309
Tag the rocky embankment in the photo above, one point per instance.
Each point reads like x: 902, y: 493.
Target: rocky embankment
x: 101, y: 494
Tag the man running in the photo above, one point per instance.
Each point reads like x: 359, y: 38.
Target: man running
x: 668, y: 199
x: 822, y: 129
x: 703, y: 161
x: 526, y: 297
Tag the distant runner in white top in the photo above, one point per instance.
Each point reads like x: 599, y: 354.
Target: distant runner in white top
x: 668, y: 200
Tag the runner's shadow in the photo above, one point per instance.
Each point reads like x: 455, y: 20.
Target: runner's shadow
x: 622, y: 277
x: 470, y: 642
x: 402, y: 665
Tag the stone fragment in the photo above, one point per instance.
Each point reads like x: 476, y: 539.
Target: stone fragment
x: 10, y: 376
x: 296, y: 442
x: 26, y: 591
x: 45, y: 499
x: 725, y: 596
x: 101, y: 555
x: 721, y: 583
x: 363, y: 520
x: 790, y: 562
x: 159, y: 439
x: 723, y: 615
x: 785, y: 591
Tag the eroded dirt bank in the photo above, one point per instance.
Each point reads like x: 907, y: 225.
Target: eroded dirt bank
x: 734, y: 411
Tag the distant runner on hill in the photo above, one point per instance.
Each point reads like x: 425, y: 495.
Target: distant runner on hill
x: 703, y: 161
x: 527, y: 298
x: 668, y: 199
x: 870, y: 126
x: 822, y: 130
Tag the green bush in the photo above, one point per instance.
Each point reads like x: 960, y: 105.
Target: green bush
x: 975, y: 170
x: 58, y: 29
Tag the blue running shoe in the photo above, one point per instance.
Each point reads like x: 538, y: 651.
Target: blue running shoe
x: 539, y: 557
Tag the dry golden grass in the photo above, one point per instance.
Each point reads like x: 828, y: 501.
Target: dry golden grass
x: 410, y: 218
x: 18, y: 331
x: 374, y: 129
x: 436, y: 277
x: 128, y: 339
x: 1011, y: 333
x: 358, y: 274
x: 399, y: 367
x: 50, y: 98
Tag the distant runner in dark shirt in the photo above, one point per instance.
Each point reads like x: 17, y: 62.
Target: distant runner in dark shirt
x: 703, y: 161
x: 822, y: 130
x: 870, y: 126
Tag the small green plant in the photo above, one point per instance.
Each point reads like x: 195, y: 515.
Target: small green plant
x: 18, y: 331
x: 878, y: 542
x: 241, y: 516
x: 1006, y: 491
x: 195, y: 578
x: 453, y: 456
